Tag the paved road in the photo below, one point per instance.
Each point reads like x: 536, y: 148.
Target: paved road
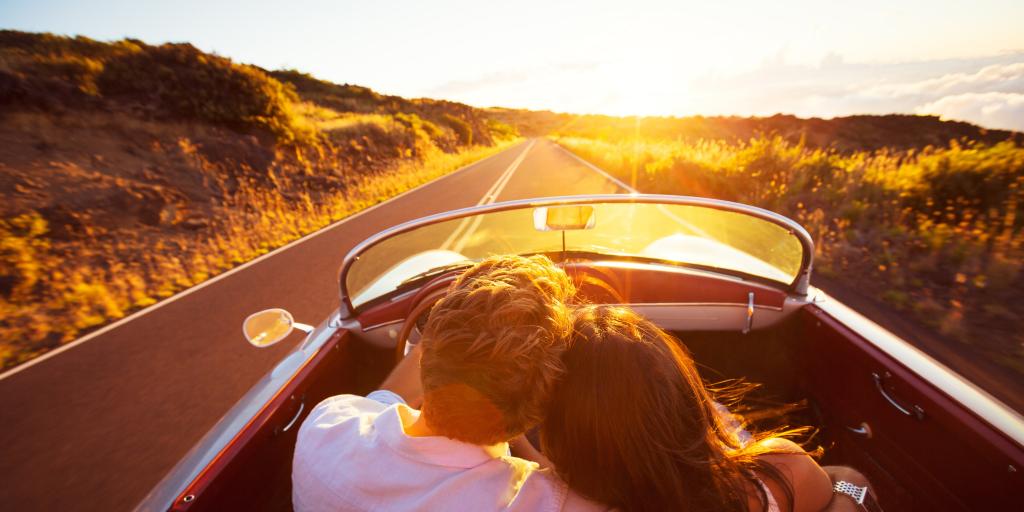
x: 96, y: 426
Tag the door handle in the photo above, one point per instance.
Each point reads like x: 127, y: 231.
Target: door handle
x: 916, y: 411
x: 295, y: 419
x: 863, y: 430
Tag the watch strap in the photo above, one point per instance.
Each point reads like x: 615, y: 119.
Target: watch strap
x: 856, y: 492
x: 861, y: 495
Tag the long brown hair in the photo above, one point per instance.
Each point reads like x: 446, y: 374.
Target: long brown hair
x: 633, y: 426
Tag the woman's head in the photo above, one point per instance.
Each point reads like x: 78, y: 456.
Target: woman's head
x: 632, y: 425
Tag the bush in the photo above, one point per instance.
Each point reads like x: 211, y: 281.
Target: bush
x: 937, y: 232
x: 81, y: 72
x: 22, y: 249
x: 462, y: 129
x: 182, y: 81
x: 500, y: 130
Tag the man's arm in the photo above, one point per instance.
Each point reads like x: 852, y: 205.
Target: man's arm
x: 404, y: 379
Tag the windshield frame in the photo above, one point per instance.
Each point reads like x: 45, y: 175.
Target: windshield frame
x: 798, y: 286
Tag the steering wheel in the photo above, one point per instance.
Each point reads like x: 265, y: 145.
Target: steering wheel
x: 420, y: 305
x: 595, y: 285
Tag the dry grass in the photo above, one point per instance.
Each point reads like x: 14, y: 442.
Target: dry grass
x: 936, y: 233
x: 131, y: 172
x: 55, y: 294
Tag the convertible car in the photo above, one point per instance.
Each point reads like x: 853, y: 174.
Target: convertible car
x: 733, y: 282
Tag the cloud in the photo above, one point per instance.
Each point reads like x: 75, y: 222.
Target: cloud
x: 505, y: 78
x: 993, y: 78
x: 986, y: 90
x: 992, y: 109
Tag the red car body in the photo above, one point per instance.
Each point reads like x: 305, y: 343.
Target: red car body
x: 926, y: 438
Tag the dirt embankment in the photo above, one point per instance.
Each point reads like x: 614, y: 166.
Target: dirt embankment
x: 130, y: 171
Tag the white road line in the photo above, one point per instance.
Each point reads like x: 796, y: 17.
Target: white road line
x: 458, y: 239
x: 600, y: 171
x: 613, y: 179
x: 465, y: 221
x: 28, y: 364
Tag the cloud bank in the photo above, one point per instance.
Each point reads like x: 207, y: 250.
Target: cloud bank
x: 988, y: 91
x: 990, y: 109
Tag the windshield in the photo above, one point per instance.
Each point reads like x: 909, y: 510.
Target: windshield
x: 750, y: 242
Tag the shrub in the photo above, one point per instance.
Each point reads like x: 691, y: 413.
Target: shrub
x: 81, y: 72
x: 23, y: 250
x: 938, y: 232
x: 182, y: 81
x: 500, y: 130
x: 462, y: 129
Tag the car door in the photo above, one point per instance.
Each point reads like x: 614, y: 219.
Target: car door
x: 927, y: 439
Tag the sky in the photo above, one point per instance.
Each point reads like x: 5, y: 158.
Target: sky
x: 961, y: 60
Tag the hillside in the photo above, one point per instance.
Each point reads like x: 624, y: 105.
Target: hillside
x: 928, y: 242
x: 846, y: 134
x: 130, y: 171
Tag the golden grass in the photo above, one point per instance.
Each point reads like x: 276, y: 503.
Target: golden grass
x: 54, y: 297
x: 935, y: 233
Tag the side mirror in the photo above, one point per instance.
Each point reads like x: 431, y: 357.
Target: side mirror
x: 270, y: 326
x: 564, y: 218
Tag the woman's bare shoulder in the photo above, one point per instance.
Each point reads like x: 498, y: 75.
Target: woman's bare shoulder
x: 812, y: 487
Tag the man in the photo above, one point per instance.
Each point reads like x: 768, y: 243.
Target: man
x: 484, y: 369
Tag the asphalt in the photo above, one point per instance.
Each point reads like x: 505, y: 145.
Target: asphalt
x: 97, y: 425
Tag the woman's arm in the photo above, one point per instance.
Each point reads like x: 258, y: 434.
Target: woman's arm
x: 522, y: 447
x: 811, y: 485
x: 842, y: 503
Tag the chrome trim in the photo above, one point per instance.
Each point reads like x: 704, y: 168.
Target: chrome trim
x: 405, y: 295
x: 863, y: 430
x: 799, y: 285
x: 696, y: 304
x: 302, y: 407
x: 383, y: 324
x: 918, y: 412
x: 750, y: 313
x: 1002, y: 417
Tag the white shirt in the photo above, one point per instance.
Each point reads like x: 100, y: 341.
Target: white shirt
x: 353, y: 453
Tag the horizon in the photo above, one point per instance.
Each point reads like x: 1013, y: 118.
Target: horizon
x: 959, y: 62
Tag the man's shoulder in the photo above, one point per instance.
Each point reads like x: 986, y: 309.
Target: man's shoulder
x: 348, y: 404
x: 339, y: 408
x: 333, y: 435
x: 336, y: 414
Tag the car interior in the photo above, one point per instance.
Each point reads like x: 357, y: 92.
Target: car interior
x: 920, y: 449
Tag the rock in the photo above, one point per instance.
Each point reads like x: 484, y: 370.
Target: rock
x: 195, y: 223
x: 63, y: 222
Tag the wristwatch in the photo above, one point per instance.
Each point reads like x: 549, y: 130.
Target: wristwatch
x: 859, y: 494
x: 856, y: 492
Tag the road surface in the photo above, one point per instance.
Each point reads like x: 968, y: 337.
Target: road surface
x: 97, y: 425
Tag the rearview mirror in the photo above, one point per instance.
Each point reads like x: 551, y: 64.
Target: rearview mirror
x: 268, y: 327
x: 564, y: 218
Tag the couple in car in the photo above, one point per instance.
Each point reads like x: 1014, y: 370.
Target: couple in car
x: 625, y: 420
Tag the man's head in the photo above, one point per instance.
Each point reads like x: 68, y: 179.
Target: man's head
x: 492, y: 349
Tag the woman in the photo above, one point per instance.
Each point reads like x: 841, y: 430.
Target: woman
x: 633, y: 426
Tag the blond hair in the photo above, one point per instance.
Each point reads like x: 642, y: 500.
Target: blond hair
x: 492, y: 349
